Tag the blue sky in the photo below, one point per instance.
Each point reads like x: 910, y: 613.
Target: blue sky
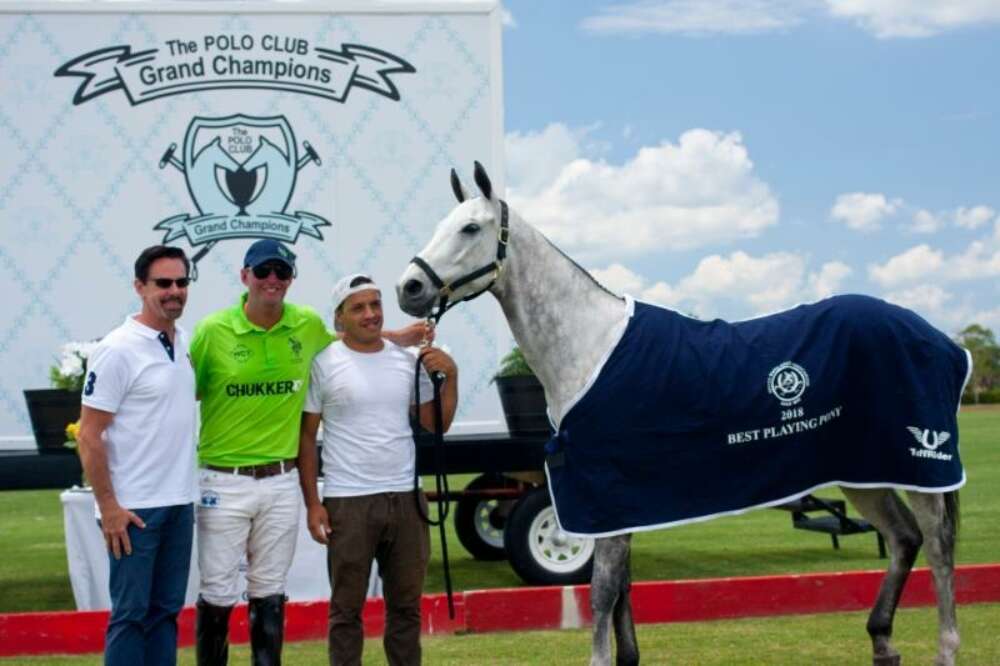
x: 734, y: 158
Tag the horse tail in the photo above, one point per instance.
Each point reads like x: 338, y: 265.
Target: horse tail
x: 951, y: 511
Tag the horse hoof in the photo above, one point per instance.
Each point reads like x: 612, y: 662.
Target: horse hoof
x: 886, y: 660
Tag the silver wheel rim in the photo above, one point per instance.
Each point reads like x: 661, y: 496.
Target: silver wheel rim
x: 555, y: 550
x: 485, y: 530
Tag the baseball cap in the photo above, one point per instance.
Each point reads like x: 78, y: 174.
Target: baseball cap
x: 268, y: 249
x: 343, y: 288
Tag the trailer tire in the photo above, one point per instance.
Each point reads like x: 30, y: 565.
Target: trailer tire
x: 480, y: 523
x: 539, y: 552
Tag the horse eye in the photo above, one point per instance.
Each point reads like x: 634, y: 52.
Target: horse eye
x: 471, y: 228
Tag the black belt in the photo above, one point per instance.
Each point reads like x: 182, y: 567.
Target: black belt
x: 258, y: 471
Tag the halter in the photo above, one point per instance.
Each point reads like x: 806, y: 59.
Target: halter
x: 495, y: 267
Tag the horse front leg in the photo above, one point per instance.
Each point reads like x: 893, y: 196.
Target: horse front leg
x: 625, y: 641
x: 609, y: 602
x: 937, y: 515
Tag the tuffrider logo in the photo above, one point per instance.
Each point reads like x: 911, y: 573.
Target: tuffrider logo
x: 929, y: 440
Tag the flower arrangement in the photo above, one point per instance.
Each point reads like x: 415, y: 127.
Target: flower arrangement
x: 72, y: 433
x: 69, y: 372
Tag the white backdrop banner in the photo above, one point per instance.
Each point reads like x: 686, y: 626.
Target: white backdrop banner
x: 330, y: 126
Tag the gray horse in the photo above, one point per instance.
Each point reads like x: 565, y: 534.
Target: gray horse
x: 565, y: 322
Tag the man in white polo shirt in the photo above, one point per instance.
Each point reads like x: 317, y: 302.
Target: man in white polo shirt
x: 137, y: 427
x: 362, y: 387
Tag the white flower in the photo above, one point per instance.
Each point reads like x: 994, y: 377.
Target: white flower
x: 67, y: 372
x: 71, y: 366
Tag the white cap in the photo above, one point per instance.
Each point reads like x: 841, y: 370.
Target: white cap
x: 343, y: 288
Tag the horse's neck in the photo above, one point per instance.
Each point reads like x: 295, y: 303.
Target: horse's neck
x: 562, y: 320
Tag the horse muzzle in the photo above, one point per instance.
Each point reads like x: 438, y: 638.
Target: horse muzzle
x: 415, y: 294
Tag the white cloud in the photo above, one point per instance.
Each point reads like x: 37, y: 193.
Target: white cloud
x: 827, y: 281
x: 619, y: 279
x: 926, y: 222
x: 696, y: 17
x: 975, y: 217
x: 917, y: 263
x: 935, y: 304
x: 922, y: 298
x: 682, y: 195
x: 535, y: 159
x: 980, y: 260
x: 989, y: 318
x: 882, y: 18
x: 733, y: 286
x: 914, y: 18
x: 863, y: 211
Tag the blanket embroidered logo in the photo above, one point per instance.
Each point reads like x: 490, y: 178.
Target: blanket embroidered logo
x: 930, y: 440
x: 787, y: 382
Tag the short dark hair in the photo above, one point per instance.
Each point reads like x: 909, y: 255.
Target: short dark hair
x: 154, y: 252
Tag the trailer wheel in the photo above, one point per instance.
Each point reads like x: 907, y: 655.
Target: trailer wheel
x: 479, y: 523
x: 541, y: 553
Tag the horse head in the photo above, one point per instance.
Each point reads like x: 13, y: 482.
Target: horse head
x: 465, y: 255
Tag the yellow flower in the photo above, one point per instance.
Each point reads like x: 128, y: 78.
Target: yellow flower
x: 73, y: 431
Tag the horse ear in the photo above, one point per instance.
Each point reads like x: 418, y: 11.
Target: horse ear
x: 483, y: 181
x: 458, y: 188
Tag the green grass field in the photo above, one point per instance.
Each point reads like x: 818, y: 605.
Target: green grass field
x: 33, y: 577
x: 829, y: 640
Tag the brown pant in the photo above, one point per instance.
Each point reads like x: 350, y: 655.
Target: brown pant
x: 387, y: 528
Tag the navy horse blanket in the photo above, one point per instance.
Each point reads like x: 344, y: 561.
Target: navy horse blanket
x: 692, y: 419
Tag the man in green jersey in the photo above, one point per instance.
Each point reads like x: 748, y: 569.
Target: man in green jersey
x: 252, y: 364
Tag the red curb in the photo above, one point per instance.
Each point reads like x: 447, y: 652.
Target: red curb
x: 513, y: 609
x: 77, y: 632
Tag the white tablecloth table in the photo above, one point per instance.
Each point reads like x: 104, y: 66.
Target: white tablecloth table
x: 88, y: 560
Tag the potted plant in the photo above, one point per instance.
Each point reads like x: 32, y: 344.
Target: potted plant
x: 52, y: 409
x: 522, y: 397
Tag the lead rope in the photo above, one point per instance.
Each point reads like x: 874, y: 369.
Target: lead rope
x: 440, y: 477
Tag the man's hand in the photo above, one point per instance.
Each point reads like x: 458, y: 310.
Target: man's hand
x: 436, y: 360
x: 114, y: 524
x: 410, y: 336
x: 319, y: 523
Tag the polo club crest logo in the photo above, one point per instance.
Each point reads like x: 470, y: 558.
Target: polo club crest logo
x: 240, y: 172
x: 787, y: 382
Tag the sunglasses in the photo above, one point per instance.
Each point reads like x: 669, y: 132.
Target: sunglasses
x: 165, y: 283
x: 281, y: 271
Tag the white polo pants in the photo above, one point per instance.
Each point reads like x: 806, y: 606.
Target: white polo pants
x: 240, y: 515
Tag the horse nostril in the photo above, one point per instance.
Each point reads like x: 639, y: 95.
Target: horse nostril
x: 413, y: 287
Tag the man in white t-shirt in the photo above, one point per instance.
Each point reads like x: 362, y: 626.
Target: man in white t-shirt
x: 362, y: 388
x: 137, y: 445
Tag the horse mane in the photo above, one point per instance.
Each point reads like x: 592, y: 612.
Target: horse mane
x: 578, y: 266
